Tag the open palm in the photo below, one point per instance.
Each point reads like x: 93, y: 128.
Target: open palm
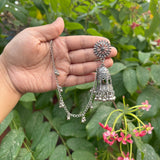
x: 28, y: 61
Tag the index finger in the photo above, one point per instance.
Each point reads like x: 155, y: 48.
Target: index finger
x: 82, y: 42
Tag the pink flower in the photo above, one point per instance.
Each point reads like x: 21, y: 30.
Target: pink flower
x: 134, y: 25
x: 105, y: 127
x: 158, y: 42
x: 125, y: 157
x: 146, y: 107
x: 110, y: 137
x: 149, y: 128
x: 125, y: 139
x: 139, y: 134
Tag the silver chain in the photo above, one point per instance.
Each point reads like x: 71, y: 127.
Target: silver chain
x: 60, y: 90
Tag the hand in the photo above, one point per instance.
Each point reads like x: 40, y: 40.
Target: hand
x: 27, y: 58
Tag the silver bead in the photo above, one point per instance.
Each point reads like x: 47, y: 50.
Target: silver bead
x: 68, y: 117
x: 56, y: 72
x: 61, y: 104
x: 100, y: 98
x: 104, y: 99
x: 83, y: 119
x: 60, y: 88
x: 91, y: 107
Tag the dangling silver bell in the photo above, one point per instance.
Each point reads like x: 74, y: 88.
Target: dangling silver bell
x: 104, y: 90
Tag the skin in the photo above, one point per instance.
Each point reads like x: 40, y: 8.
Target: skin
x: 26, y: 66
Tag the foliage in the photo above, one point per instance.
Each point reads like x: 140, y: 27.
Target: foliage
x: 38, y: 128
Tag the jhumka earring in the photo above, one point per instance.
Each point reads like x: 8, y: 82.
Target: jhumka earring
x: 102, y: 89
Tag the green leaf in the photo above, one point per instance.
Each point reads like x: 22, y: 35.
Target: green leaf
x: 149, y: 153
x: 147, y: 138
x: 85, y: 86
x: 142, y: 75
x: 74, y: 129
x: 151, y: 94
x: 154, y: 25
x: 153, y: 6
x: 16, y: 120
x: 132, y: 59
x: 11, y: 144
x: 24, y: 154
x: 28, y: 97
x: 73, y: 25
x: 116, y: 68
x: 65, y: 6
x: 80, y: 144
x: 35, y: 128
x: 130, y: 80
x: 93, y: 31
x: 118, y: 85
x: 33, y: 121
x: 54, y: 4
x: 5, y: 123
x: 46, y: 146
x: 143, y: 57
x: 82, y: 98
x: 105, y: 22
x: 156, y: 123
x: 59, y: 153
x: 83, y: 155
x: 20, y: 14
x: 101, y: 115
x: 93, y: 125
x: 81, y: 9
x: 43, y: 100
x: 3, y: 2
x: 155, y: 72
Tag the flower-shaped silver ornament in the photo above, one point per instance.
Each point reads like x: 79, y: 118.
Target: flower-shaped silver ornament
x: 102, y: 49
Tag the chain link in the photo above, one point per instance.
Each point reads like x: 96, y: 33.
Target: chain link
x: 60, y: 90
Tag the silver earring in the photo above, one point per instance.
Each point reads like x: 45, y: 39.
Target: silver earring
x: 102, y: 87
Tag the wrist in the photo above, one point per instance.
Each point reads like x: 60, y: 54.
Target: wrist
x: 9, y: 96
x: 5, y: 79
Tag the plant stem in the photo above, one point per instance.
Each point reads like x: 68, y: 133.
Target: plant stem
x: 114, y: 124
x: 131, y: 114
x: 134, y: 110
x: 29, y: 150
x: 138, y: 106
x: 125, y: 122
x: 114, y: 104
x: 130, y: 154
x: 111, y: 114
x: 121, y: 149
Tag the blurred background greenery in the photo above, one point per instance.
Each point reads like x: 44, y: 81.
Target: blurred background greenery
x: 38, y: 129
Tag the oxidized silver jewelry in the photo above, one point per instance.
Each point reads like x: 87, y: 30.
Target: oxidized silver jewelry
x: 102, y: 49
x: 60, y: 90
x: 102, y: 88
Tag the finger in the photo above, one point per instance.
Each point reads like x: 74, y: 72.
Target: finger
x: 75, y: 80
x: 87, y: 55
x: 88, y: 67
x: 49, y: 31
x: 82, y: 42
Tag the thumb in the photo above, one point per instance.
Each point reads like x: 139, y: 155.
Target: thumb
x: 51, y: 31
